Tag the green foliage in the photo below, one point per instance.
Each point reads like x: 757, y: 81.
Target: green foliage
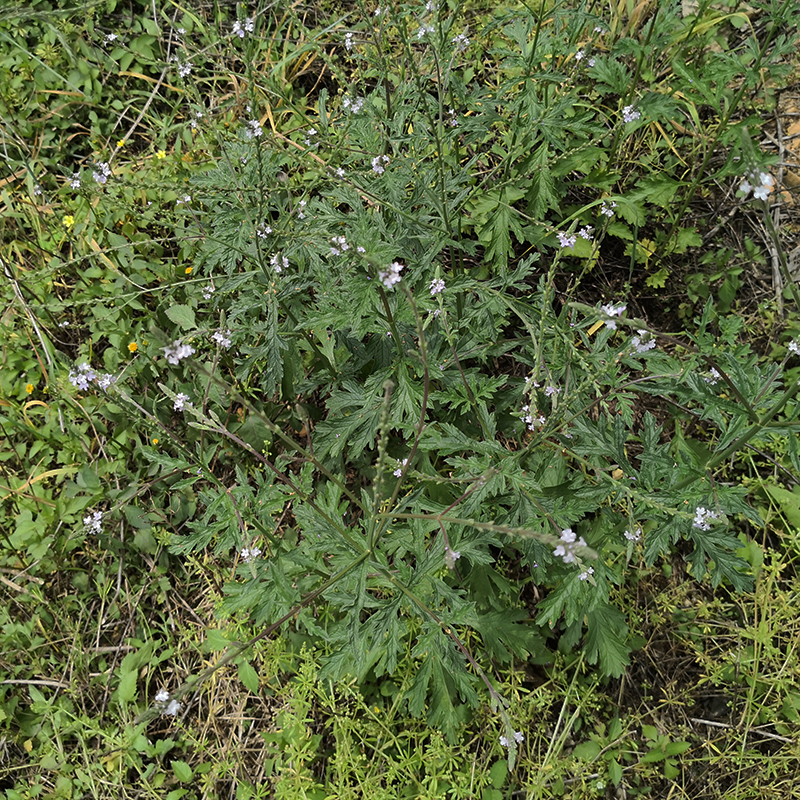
x: 366, y: 367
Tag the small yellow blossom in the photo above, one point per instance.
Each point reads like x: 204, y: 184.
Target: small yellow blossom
x: 155, y: 441
x: 188, y: 270
x: 161, y: 154
x: 133, y: 347
x: 121, y: 143
x: 29, y: 388
x: 68, y: 220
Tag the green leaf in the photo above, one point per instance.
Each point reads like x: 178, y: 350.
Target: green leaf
x: 587, y: 751
x: 183, y: 772
x: 505, y: 636
x: 614, y: 771
x: 606, y: 632
x: 126, y: 691
x: 215, y: 640
x: 788, y: 501
x: 182, y: 315
x: 498, y: 773
x: 658, y: 280
x: 248, y: 676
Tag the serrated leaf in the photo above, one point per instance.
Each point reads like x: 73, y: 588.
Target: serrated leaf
x: 248, y: 676
x: 182, y: 315
x: 504, y: 635
x: 719, y: 548
x: 126, y: 691
x: 606, y: 632
x: 215, y: 640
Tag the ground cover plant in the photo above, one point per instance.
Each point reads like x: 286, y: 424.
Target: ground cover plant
x: 392, y: 405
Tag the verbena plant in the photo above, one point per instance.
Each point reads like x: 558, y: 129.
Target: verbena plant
x: 383, y: 388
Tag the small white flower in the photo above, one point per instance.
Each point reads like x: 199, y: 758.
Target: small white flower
x: 301, y: 208
x: 162, y: 696
x: 184, y: 70
x: 101, y: 172
x: 186, y: 199
x: 85, y: 375
x: 378, y: 162
x: 223, y: 339
x: 241, y: 28
x: 450, y: 557
x: 584, y: 576
x: 263, y: 230
x: 461, y: 41
x: 339, y: 245
x: 702, y: 516
x: 208, y: 291
x: 249, y: 555
x: 172, y: 709
x: 549, y: 391
x: 110, y: 37
x: 82, y: 376
x: 176, y: 352
x: 104, y: 381
x: 353, y: 105
x: 712, y: 377
x: 348, y: 42
x: 592, y: 61
x: 630, y: 114
x: 613, y: 311
x: 400, y: 464
x: 794, y: 346
x: 634, y: 536
x: 579, y: 55
x: 761, y: 191
x: 181, y: 400
x: 518, y: 738
x: 424, y: 30
x: 279, y: 262
x: 641, y: 343
x: 93, y: 522
x: 253, y: 129
x: 569, y: 543
x: 75, y: 183
x: 566, y: 240
x: 606, y: 207
x: 340, y: 172
x: 437, y: 285
x: 586, y: 232
x: 389, y: 277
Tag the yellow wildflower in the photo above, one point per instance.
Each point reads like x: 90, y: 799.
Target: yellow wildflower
x: 188, y: 270
x: 133, y: 347
x: 68, y: 220
x: 29, y: 388
x: 161, y: 154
